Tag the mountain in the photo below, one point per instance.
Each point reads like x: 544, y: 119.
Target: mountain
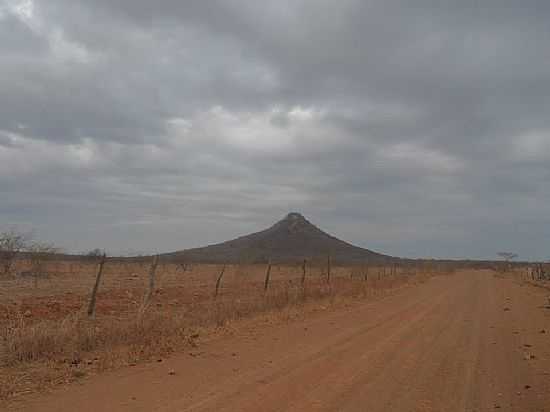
x: 292, y: 239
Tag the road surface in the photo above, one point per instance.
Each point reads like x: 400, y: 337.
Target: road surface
x: 467, y: 342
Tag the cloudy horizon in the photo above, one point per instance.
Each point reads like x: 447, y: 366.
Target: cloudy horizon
x: 413, y: 130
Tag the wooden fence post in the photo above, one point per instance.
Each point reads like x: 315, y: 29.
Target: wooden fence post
x: 219, y: 281
x: 267, y: 276
x: 304, y: 263
x: 91, y: 306
x: 366, y: 272
x: 328, y: 268
x: 152, y: 272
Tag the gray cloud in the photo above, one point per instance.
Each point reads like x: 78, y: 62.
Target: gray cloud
x: 417, y: 130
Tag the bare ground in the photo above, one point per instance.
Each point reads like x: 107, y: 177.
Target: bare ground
x: 467, y: 342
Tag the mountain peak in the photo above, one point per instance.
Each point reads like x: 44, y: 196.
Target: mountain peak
x: 293, y: 216
x: 293, y: 222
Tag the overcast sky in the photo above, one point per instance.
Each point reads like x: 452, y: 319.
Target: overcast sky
x: 411, y: 127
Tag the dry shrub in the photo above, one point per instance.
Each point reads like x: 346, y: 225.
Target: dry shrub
x: 75, y: 335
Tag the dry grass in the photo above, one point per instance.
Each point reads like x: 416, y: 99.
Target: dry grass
x: 45, y: 337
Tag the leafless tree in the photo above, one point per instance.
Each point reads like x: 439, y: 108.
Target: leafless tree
x: 96, y: 253
x: 508, y: 257
x: 12, y: 243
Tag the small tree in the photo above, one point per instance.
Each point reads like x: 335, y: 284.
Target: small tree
x: 508, y: 257
x: 95, y: 253
x: 12, y: 243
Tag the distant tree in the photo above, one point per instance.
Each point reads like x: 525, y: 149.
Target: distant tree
x: 12, y: 243
x: 95, y: 253
x: 507, y: 256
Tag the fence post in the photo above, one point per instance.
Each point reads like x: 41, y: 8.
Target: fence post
x: 366, y: 272
x: 91, y: 306
x: 152, y: 272
x: 328, y: 268
x: 304, y: 263
x: 267, y: 276
x: 219, y: 281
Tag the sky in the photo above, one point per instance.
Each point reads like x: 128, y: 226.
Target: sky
x: 413, y: 128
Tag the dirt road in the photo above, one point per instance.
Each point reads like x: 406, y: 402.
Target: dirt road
x: 467, y: 342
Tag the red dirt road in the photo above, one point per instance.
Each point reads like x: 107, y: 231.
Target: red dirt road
x: 467, y: 342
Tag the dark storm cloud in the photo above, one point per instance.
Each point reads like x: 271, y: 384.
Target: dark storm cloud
x: 416, y: 128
